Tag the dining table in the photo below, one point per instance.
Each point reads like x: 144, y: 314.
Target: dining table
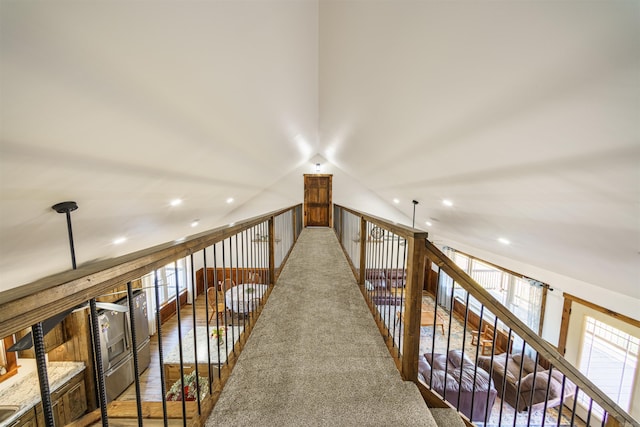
x: 242, y: 298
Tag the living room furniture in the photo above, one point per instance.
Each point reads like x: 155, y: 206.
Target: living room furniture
x: 217, y: 305
x: 532, y: 388
x: 473, y: 388
x: 484, y: 339
x: 241, y: 298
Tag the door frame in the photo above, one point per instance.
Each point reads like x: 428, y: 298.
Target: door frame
x: 305, y: 209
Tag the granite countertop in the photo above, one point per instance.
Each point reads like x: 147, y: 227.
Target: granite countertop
x: 232, y: 335
x: 23, y: 389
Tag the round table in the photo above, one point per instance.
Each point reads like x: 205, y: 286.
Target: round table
x: 240, y: 298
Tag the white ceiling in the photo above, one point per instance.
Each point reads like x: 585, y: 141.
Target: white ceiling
x: 525, y: 114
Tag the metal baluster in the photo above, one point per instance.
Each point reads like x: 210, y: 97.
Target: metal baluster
x: 41, y: 363
x: 97, y: 355
x: 206, y: 309
x: 546, y: 397
x: 524, y: 343
x: 404, y: 263
x: 433, y: 337
x: 385, y: 264
x: 397, y: 267
x: 589, y: 412
x: 475, y: 371
x: 134, y: 343
x: 575, y: 402
x: 564, y: 379
x: 217, y: 285
x: 163, y: 388
x: 504, y: 377
x: 232, y: 291
x: 535, y: 373
x: 195, y: 330
x: 446, y: 359
x: 184, y: 405
x: 242, y: 299
x: 464, y: 336
x: 495, y: 335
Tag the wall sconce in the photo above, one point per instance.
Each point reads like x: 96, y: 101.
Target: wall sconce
x: 317, y: 167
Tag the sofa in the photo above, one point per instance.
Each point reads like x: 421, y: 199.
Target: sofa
x: 532, y: 388
x: 382, y: 284
x: 476, y: 391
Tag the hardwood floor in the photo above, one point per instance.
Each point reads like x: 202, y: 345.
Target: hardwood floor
x: 150, y: 379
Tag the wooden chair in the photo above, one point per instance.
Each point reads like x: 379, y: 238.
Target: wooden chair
x: 485, y: 339
x: 226, y: 284
x: 217, y: 306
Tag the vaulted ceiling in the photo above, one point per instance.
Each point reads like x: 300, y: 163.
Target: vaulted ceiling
x: 524, y: 114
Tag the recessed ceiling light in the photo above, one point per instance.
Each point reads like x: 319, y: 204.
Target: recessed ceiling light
x: 396, y: 201
x: 230, y: 200
x: 447, y: 202
x: 429, y: 224
x: 176, y: 202
x: 119, y: 240
x: 195, y: 223
x: 503, y: 241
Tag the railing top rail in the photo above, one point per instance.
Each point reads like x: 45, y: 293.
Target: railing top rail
x: 70, y: 288
x: 399, y: 229
x: 545, y: 349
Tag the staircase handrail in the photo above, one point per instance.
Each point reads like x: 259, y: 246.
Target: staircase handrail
x: 34, y: 302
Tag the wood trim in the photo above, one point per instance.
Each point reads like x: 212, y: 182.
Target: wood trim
x: 621, y: 317
x: 413, y: 304
x: 68, y: 289
x: 564, y: 326
x: 543, y: 308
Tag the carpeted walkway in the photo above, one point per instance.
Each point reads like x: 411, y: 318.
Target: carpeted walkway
x: 315, y: 356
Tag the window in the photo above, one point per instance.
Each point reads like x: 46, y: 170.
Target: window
x: 523, y: 297
x: 609, y: 358
x: 167, y: 281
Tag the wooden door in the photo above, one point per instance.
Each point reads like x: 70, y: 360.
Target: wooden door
x: 317, y: 200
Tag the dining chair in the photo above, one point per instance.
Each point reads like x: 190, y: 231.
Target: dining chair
x: 217, y: 305
x: 226, y: 284
x: 484, y: 339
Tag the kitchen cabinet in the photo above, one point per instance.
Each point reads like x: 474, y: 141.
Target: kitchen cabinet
x: 54, y: 338
x: 28, y: 419
x: 69, y: 402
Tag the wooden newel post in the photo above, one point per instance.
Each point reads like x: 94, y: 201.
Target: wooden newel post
x: 272, y: 251
x: 363, y: 252
x: 417, y: 256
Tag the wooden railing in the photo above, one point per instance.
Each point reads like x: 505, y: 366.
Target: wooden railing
x: 251, y: 251
x: 467, y: 347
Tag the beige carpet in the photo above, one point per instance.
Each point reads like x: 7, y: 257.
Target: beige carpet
x: 315, y: 356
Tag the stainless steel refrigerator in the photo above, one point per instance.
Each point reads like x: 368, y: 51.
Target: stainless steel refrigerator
x: 116, y: 344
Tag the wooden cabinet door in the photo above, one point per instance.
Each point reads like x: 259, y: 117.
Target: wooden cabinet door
x: 317, y: 200
x: 75, y: 402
